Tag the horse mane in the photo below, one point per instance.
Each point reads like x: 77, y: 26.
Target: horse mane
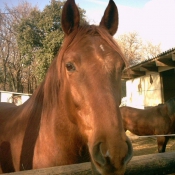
x: 32, y: 109
x: 53, y: 77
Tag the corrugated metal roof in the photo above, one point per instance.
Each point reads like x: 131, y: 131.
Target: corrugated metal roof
x: 166, y: 52
x: 139, y: 69
x: 151, y: 59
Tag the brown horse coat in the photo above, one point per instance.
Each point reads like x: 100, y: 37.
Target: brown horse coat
x: 158, y: 120
x: 74, y: 115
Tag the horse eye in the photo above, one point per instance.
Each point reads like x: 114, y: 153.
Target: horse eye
x: 70, y: 67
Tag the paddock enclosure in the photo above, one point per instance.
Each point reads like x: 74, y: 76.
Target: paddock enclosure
x: 155, y: 164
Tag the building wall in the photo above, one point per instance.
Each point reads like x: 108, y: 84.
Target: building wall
x: 6, y: 97
x: 12, y: 97
x: 144, y: 92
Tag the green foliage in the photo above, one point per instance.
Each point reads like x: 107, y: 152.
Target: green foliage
x: 52, y: 36
x: 40, y: 36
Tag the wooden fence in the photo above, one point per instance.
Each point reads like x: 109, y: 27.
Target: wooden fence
x: 151, y: 164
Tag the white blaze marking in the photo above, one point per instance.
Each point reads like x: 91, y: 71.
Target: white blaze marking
x: 102, y: 48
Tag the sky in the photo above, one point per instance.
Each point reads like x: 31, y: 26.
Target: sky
x: 153, y: 20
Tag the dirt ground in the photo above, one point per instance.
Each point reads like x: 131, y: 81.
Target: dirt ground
x: 148, y: 145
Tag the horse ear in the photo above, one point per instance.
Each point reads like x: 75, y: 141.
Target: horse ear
x: 110, y: 18
x: 70, y: 17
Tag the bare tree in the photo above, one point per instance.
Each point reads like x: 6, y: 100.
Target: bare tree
x: 150, y: 50
x: 5, y: 45
x: 12, y: 61
x: 135, y: 49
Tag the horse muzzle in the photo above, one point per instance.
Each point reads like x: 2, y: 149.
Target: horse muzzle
x: 108, y: 161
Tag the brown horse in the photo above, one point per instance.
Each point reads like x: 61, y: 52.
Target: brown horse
x: 158, y: 120
x: 74, y: 115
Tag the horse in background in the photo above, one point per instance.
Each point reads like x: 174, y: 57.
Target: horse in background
x: 158, y: 120
x: 74, y: 115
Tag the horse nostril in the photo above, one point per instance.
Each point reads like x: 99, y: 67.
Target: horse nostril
x: 97, y: 155
x: 130, y: 151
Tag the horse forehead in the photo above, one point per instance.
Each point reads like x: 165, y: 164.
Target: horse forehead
x: 94, y: 47
x: 108, y: 56
x: 100, y: 52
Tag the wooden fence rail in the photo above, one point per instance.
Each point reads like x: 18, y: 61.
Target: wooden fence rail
x: 151, y: 164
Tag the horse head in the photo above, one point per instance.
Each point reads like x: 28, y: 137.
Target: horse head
x: 92, y: 65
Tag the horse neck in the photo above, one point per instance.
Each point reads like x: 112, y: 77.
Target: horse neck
x: 46, y: 108
x: 167, y: 109
x: 55, y: 127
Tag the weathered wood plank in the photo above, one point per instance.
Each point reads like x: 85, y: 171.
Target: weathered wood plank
x: 74, y: 169
x: 152, y: 164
